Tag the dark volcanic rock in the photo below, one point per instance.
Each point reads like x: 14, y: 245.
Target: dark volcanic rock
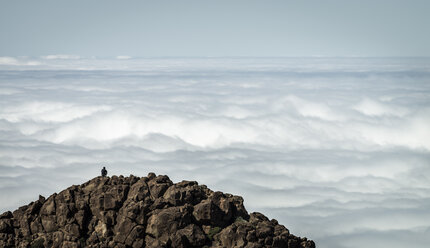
x: 142, y: 212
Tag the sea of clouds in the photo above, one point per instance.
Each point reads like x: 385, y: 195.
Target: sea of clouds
x: 336, y: 149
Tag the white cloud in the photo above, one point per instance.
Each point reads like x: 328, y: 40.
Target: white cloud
x: 375, y: 108
x: 8, y: 61
x: 45, y: 111
x: 17, y: 62
x: 123, y: 57
x: 61, y: 56
x: 335, y: 149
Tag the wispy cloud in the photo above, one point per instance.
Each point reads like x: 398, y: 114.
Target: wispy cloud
x: 61, y: 56
x: 123, y: 57
x: 17, y: 62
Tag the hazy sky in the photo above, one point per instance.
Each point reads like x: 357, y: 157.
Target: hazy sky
x: 215, y: 28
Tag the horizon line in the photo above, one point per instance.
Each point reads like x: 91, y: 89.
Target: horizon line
x: 130, y: 57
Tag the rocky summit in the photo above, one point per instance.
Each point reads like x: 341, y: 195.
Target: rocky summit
x: 147, y: 211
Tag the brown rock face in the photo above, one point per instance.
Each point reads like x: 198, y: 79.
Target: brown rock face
x: 150, y: 211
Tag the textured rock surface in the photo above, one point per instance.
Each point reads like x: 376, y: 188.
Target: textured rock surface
x: 150, y: 211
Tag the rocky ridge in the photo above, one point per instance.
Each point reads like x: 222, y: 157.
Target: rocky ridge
x: 149, y: 211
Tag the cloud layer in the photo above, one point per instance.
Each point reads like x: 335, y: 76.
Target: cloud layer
x: 335, y: 149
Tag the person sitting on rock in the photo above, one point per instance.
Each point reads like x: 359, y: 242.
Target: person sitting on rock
x: 104, y: 172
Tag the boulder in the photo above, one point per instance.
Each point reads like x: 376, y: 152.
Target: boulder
x: 136, y: 212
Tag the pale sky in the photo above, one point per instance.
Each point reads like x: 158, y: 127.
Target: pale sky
x: 215, y: 28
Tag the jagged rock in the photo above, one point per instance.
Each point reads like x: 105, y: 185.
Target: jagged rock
x: 136, y: 212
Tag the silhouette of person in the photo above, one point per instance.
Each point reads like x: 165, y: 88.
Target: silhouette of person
x: 104, y: 172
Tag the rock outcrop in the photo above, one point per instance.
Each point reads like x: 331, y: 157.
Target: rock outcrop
x: 149, y: 211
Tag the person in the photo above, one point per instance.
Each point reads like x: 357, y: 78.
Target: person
x: 104, y: 172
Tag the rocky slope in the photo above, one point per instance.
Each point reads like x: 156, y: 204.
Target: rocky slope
x: 142, y: 212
